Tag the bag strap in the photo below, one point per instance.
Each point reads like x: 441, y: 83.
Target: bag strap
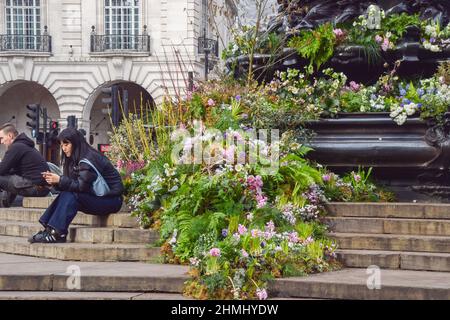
x: 90, y: 163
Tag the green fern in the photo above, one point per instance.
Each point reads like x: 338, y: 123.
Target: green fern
x: 316, y: 45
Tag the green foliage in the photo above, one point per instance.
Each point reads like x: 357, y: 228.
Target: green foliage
x: 315, y: 45
x: 397, y: 24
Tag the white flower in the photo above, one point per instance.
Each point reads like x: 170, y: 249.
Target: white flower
x: 410, y: 108
x: 400, y: 119
x: 435, y: 48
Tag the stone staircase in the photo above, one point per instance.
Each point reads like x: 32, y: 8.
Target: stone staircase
x: 403, y: 236
x: 115, y: 237
x: 409, y: 242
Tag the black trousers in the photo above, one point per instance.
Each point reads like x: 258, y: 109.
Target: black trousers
x: 17, y: 185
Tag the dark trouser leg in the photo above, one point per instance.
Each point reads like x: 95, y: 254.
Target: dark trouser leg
x: 7, y: 184
x: 65, y: 207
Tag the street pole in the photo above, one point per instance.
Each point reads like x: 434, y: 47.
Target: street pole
x: 44, y: 149
x: 206, y: 63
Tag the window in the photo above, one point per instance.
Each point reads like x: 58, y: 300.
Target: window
x: 121, y: 24
x: 23, y: 23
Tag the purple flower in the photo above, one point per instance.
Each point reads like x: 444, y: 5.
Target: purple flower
x: 263, y: 244
x: 244, y: 253
x: 242, y: 229
x: 238, y: 98
x: 432, y: 40
x: 261, y: 294
x: 224, y: 232
x: 211, y: 102
x: 378, y: 38
x: 402, y: 92
x: 326, y: 177
x: 214, y: 252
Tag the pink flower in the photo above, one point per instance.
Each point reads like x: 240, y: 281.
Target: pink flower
x: 255, y: 183
x: 293, y: 237
x: 211, y: 102
x: 261, y: 294
x: 326, y: 177
x: 385, y: 44
x: 357, y: 177
x: 338, y: 32
x: 354, y: 86
x: 244, y: 253
x: 378, y: 38
x: 270, y: 226
x: 228, y: 154
x: 261, y: 201
x: 255, y: 233
x: 119, y: 164
x: 308, y: 240
x: 242, y: 229
x: 214, y: 252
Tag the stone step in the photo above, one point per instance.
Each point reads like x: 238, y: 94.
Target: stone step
x: 352, y: 284
x: 392, y: 242
x: 390, y: 210
x: 122, y: 220
x: 430, y: 227
x: 83, y: 234
x: 44, y: 203
x: 20, y: 273
x: 395, y: 260
x: 79, y: 251
x: 55, y: 295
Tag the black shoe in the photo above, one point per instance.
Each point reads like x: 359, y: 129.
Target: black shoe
x: 48, y: 235
x: 38, y: 235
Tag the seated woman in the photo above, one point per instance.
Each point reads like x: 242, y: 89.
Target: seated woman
x: 77, y: 188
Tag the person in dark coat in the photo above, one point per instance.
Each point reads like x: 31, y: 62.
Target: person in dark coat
x: 76, y: 186
x: 21, y: 167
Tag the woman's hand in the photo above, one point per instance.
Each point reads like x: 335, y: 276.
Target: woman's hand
x: 51, y: 178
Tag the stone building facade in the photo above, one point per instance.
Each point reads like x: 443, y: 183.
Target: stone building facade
x: 61, y: 53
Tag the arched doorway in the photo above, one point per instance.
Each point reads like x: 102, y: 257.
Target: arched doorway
x: 14, y: 97
x: 139, y: 101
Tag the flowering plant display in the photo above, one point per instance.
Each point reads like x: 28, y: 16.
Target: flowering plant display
x: 236, y: 223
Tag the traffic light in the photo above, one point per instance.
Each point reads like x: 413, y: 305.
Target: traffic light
x: 53, y: 133
x: 112, y: 99
x: 33, y: 115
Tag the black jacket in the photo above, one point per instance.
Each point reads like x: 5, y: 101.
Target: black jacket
x: 23, y: 159
x: 82, y: 176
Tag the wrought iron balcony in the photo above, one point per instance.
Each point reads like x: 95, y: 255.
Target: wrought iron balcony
x: 24, y: 42
x: 210, y: 46
x: 120, y: 42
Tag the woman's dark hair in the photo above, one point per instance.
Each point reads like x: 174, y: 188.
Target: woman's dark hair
x: 80, y: 149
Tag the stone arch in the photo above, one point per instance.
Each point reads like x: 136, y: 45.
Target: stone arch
x: 96, y: 119
x: 15, y: 95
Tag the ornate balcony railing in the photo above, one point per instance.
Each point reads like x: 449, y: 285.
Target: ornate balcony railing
x: 209, y: 45
x: 120, y: 42
x: 25, y: 42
